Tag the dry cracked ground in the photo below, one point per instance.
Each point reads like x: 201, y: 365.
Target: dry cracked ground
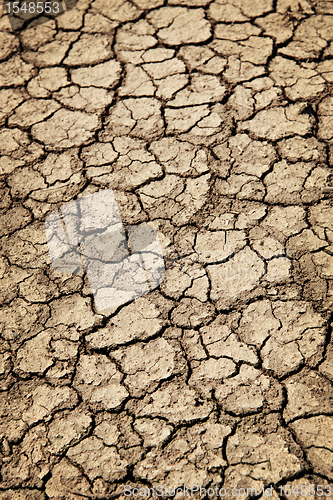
x: 211, y: 121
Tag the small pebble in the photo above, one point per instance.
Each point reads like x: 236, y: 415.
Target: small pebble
x: 6, y: 447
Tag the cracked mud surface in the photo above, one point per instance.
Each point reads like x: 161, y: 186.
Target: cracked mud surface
x: 212, y: 122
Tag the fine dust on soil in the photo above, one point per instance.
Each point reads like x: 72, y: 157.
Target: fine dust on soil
x: 211, y: 121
